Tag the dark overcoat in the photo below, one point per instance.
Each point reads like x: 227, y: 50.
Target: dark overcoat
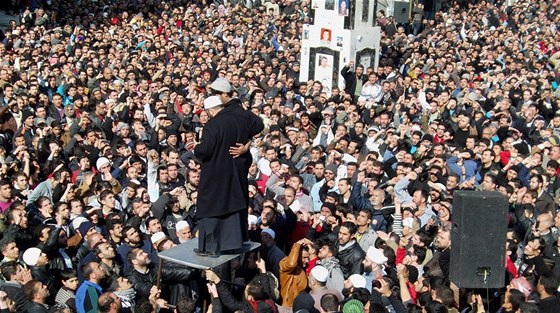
x: 223, y: 186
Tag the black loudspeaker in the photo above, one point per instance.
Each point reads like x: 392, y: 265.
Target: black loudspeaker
x: 478, y: 239
x: 401, y: 12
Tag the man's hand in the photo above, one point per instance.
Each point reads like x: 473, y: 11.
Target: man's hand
x: 212, y: 277
x: 361, y: 176
x: 212, y: 290
x: 239, y: 149
x: 261, y: 265
x: 384, y: 290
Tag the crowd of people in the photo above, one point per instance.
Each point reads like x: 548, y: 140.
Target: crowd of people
x: 104, y: 107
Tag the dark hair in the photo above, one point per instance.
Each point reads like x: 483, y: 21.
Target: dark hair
x: 256, y: 290
x: 31, y: 288
x: 186, y: 305
x: 435, y: 307
x: 361, y: 294
x: 68, y: 274
x: 87, y: 269
x: 329, y: 302
x: 8, y: 269
x: 516, y: 297
x: 549, y: 282
x: 352, y: 228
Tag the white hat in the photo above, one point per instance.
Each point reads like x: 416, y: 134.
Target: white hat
x: 408, y: 222
x: 182, y: 224
x: 252, y: 220
x: 221, y: 84
x: 440, y: 187
x: 376, y: 255
x: 101, y: 162
x: 157, y: 237
x: 320, y: 273
x: 212, y: 102
x: 31, y: 256
x: 269, y: 232
x: 78, y: 221
x: 357, y: 280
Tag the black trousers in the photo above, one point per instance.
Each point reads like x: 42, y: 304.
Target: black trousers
x: 223, y: 233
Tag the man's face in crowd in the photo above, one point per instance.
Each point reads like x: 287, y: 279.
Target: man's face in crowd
x: 267, y: 215
x: 344, y: 236
x: 154, y: 226
x: 443, y: 240
x: 11, y: 251
x: 133, y: 236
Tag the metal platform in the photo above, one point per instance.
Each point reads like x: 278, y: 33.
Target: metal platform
x: 184, y: 254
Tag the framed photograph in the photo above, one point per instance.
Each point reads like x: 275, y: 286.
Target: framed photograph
x: 343, y: 7
x: 326, y: 37
x: 325, y: 67
x: 329, y: 5
x: 339, y: 41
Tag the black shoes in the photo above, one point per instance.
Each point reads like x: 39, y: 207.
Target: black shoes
x: 210, y: 254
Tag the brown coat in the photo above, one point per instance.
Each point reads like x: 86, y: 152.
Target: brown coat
x: 293, y: 279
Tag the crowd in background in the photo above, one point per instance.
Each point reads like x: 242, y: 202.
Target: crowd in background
x: 351, y: 187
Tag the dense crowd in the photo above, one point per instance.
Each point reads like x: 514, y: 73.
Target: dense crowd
x: 350, y: 192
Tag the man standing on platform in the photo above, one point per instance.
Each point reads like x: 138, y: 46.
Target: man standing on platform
x: 223, y: 189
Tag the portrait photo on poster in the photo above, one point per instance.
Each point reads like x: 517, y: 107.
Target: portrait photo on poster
x: 339, y: 40
x: 324, y: 71
x: 326, y: 37
x: 343, y: 7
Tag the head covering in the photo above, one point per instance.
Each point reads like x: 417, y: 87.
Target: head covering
x: 408, y: 222
x: 376, y: 255
x: 332, y: 167
x: 122, y: 125
x: 221, y: 84
x: 26, y: 114
x: 304, y: 302
x: 157, y: 237
x: 353, y: 306
x: 523, y: 285
x: 252, y: 220
x: 101, y: 162
x: 320, y: 273
x: 181, y: 224
x: 274, y: 128
x: 212, y: 102
x: 31, y: 256
x: 85, y: 227
x: 357, y: 280
x: 269, y: 232
x: 330, y: 206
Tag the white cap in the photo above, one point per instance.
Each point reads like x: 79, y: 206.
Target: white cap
x: 252, y: 220
x: 269, y: 232
x: 408, y: 222
x: 31, y: 256
x: 376, y: 255
x: 157, y: 237
x: 357, y: 280
x: 101, y: 162
x: 440, y: 187
x: 78, y: 221
x: 182, y: 224
x: 320, y: 273
x: 221, y: 84
x: 212, y: 102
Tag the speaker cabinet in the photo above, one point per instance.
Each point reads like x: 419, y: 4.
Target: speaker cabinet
x: 478, y: 239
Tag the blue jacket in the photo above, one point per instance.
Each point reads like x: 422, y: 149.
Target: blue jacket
x: 87, y: 296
